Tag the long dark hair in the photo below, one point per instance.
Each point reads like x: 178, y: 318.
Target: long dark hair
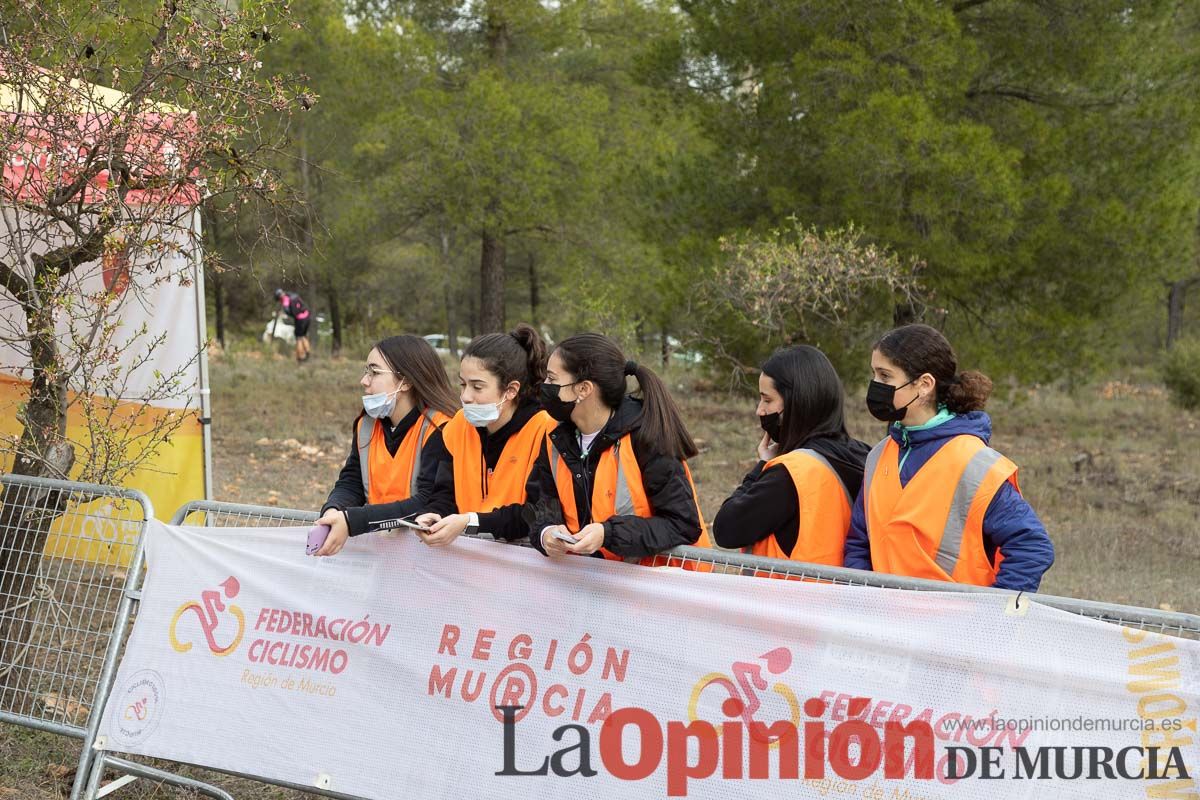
x: 918, y: 349
x: 415, y: 359
x: 812, y: 395
x: 519, y: 355
x: 597, y: 358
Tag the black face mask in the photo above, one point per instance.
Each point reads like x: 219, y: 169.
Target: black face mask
x: 881, y: 402
x: 558, y: 409
x: 771, y: 424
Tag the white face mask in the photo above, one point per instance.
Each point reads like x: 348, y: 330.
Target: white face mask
x: 480, y: 414
x: 379, y: 405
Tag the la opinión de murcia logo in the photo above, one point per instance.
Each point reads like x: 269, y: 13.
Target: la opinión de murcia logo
x: 802, y: 746
x: 210, y: 612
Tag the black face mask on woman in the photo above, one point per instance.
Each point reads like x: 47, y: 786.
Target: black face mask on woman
x: 771, y: 425
x: 881, y: 401
x: 558, y: 409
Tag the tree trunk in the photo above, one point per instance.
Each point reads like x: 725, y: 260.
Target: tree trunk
x: 335, y: 319
x: 491, y: 282
x: 665, y: 347
x: 1176, y: 299
x: 448, y: 295
x: 472, y: 315
x: 219, y: 302
x: 45, y: 415
x: 533, y: 290
x: 491, y: 262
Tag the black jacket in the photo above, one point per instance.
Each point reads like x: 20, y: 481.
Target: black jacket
x: 348, y: 494
x: 504, y: 522
x: 676, y: 518
x: 767, y: 502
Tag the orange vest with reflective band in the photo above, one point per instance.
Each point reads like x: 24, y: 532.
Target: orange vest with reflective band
x: 476, y: 488
x: 387, y: 478
x: 824, y: 511
x: 618, y: 491
x: 933, y: 526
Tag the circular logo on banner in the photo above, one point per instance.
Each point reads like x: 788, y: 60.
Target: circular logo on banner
x: 139, y: 706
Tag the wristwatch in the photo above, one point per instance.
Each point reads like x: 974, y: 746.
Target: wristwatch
x: 472, y: 524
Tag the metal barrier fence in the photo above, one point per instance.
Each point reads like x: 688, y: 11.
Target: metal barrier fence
x: 216, y: 514
x: 70, y: 567
x: 1173, y: 623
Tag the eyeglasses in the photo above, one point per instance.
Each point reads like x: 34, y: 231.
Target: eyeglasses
x: 373, y: 371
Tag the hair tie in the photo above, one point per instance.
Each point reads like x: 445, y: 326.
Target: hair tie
x: 631, y: 368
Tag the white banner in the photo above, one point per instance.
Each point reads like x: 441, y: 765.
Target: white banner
x: 150, y: 297
x: 378, y: 672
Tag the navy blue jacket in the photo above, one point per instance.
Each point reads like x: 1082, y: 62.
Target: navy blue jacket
x: 1009, y: 524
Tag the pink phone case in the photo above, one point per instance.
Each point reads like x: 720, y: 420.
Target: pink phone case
x: 316, y: 538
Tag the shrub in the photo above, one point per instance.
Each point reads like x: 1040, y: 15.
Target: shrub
x: 1181, y: 373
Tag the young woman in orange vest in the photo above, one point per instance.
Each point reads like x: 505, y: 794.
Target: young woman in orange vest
x: 612, y: 476
x: 493, y: 441
x: 796, y: 501
x: 396, y: 447
x: 936, y: 501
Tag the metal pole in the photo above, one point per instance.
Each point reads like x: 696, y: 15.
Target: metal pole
x: 116, y: 640
x: 202, y: 335
x: 151, y: 773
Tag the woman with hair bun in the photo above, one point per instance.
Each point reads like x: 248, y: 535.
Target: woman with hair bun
x: 493, y: 441
x: 936, y: 501
x: 612, y: 479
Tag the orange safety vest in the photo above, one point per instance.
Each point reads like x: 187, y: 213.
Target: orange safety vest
x: 618, y: 491
x: 387, y: 478
x: 933, y: 526
x: 824, y: 511
x: 476, y: 488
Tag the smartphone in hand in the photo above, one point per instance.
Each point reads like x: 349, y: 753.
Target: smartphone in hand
x: 316, y: 538
x: 388, y: 524
x: 564, y: 536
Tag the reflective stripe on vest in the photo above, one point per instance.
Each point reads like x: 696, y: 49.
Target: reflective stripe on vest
x: 623, y: 500
x: 956, y: 523
x: 959, y: 481
x: 366, y: 432
x: 825, y: 463
x: 623, y: 506
x: 628, y: 497
x: 823, y: 511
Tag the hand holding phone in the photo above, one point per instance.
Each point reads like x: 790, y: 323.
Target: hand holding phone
x: 316, y: 538
x: 561, y: 534
x: 389, y: 524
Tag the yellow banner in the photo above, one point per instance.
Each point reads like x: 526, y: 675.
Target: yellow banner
x: 104, y: 530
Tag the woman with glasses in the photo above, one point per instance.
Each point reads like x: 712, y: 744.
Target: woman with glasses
x: 397, y: 444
